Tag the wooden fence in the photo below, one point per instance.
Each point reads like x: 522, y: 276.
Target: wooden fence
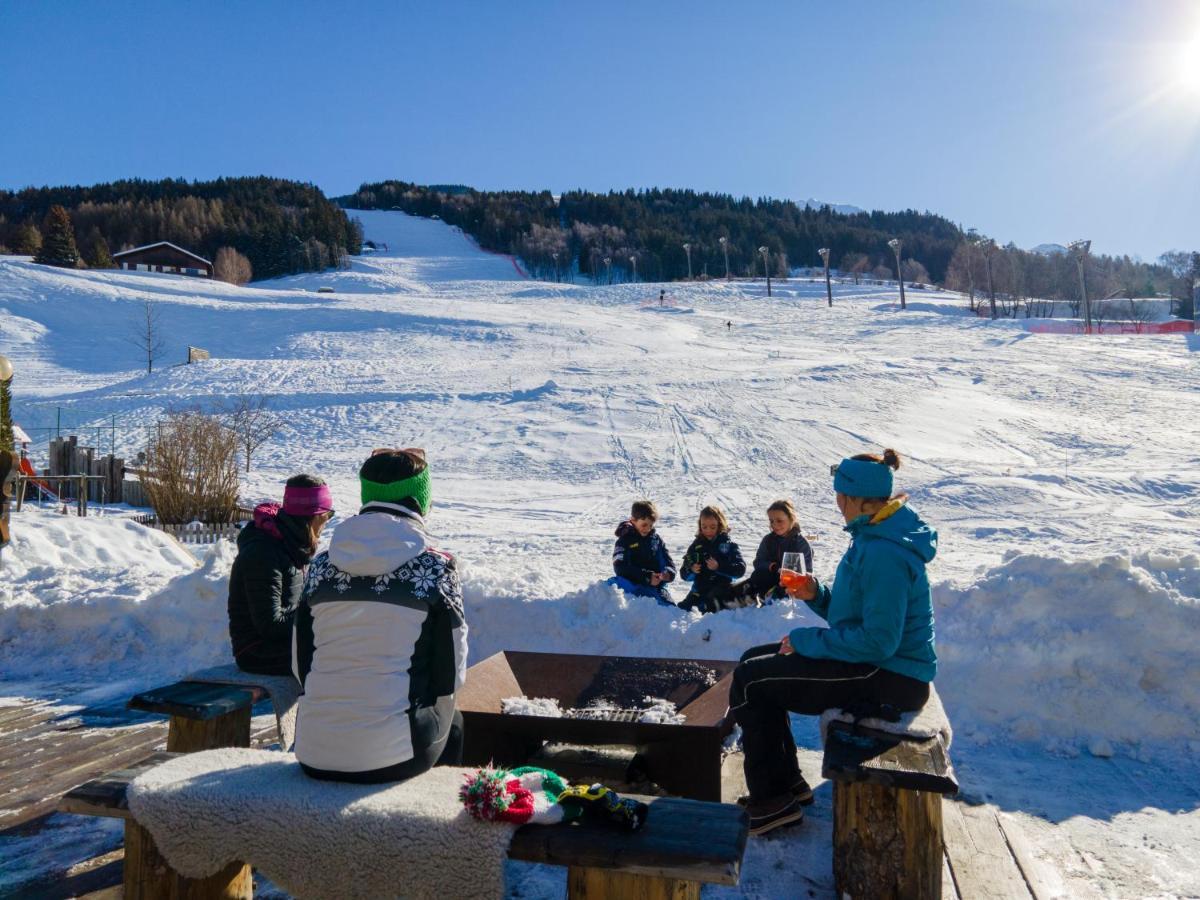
x: 67, y: 457
x: 201, y: 532
x: 195, y: 532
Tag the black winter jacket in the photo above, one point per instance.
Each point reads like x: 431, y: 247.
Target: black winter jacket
x: 264, y: 588
x: 635, y: 557
x: 730, y: 564
x: 770, y: 554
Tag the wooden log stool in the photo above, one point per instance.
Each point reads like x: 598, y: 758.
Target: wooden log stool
x: 203, y: 716
x: 887, y: 811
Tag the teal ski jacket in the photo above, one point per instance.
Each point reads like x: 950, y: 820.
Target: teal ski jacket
x: 879, y: 608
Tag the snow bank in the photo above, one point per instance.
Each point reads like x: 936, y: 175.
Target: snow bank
x: 1096, y: 653
x: 519, y: 614
x: 103, y: 599
x: 1070, y: 653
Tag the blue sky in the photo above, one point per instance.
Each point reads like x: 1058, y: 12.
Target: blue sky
x: 1032, y: 120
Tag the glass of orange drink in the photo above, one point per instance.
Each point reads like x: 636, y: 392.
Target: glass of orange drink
x: 793, y: 572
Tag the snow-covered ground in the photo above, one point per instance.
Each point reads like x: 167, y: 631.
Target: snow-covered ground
x: 1060, y: 470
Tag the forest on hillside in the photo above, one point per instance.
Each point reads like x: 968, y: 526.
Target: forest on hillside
x: 650, y: 235
x: 279, y: 226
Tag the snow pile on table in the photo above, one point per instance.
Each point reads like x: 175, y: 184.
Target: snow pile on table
x: 546, y: 707
x: 654, y: 711
x: 106, y: 599
x: 1074, y: 652
x: 659, y: 711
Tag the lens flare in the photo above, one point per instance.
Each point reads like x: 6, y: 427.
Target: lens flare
x: 1189, y: 66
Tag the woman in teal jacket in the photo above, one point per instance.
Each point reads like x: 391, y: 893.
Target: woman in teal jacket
x: 877, y: 650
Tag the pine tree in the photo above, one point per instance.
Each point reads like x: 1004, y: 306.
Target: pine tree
x: 6, y: 425
x: 58, y: 240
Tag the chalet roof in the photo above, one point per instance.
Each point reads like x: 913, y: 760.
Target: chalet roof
x: 19, y: 436
x: 162, y: 244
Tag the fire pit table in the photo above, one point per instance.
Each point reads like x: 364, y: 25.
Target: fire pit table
x: 601, y: 699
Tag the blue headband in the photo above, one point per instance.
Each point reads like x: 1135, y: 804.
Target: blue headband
x: 863, y: 478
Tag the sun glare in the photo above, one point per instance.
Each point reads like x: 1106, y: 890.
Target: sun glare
x: 1189, y: 66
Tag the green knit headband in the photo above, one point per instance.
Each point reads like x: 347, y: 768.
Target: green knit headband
x: 415, y: 486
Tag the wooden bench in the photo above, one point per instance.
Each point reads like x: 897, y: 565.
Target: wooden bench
x: 203, y: 715
x: 887, y: 812
x: 682, y: 844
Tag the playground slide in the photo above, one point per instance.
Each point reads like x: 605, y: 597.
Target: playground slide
x: 28, y: 470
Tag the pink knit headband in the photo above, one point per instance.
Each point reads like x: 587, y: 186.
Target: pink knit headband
x: 307, y: 501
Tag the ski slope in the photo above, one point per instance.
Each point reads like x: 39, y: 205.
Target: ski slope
x: 1060, y: 470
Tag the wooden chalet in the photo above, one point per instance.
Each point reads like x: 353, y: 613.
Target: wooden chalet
x: 164, y: 257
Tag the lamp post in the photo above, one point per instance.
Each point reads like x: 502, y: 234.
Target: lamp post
x: 1196, y: 305
x: 633, y: 262
x: 1079, y: 249
x: 824, y: 252
x: 971, y: 273
x: 766, y: 255
x: 895, y: 244
x: 687, y: 248
x: 989, y: 247
x: 608, y: 268
x: 724, y: 241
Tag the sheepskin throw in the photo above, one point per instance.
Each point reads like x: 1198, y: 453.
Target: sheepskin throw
x: 319, y: 839
x: 920, y: 725
x: 284, y: 691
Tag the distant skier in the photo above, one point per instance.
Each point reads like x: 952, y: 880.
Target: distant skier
x: 728, y: 326
x: 662, y: 297
x: 641, y: 561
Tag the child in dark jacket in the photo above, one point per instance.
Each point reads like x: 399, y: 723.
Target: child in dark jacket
x: 641, y: 562
x: 785, y: 537
x: 711, y: 563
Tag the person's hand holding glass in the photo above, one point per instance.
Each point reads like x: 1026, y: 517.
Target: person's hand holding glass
x: 794, y: 577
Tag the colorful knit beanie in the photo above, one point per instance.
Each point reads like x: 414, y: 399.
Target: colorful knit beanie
x: 378, y: 483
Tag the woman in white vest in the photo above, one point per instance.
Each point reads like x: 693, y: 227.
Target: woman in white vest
x: 380, y: 641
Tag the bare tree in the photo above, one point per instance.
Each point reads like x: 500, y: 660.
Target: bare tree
x: 191, y: 469
x: 231, y: 266
x: 147, y: 333
x: 855, y: 264
x: 1140, y: 312
x: 915, y: 272
x: 251, y: 419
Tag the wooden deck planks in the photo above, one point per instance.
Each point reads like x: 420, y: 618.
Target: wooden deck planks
x: 50, y: 749
x: 979, y: 856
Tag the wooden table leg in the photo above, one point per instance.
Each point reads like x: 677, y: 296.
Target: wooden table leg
x: 607, y: 884
x: 148, y: 876
x: 190, y: 735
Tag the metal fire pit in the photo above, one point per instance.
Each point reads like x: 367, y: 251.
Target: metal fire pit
x: 683, y: 759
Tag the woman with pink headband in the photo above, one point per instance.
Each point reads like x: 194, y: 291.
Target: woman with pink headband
x: 268, y: 574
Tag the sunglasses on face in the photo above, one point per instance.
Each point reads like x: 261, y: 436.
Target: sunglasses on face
x: 412, y: 451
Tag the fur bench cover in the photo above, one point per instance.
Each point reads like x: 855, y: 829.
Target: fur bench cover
x: 319, y: 839
x: 924, y: 723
